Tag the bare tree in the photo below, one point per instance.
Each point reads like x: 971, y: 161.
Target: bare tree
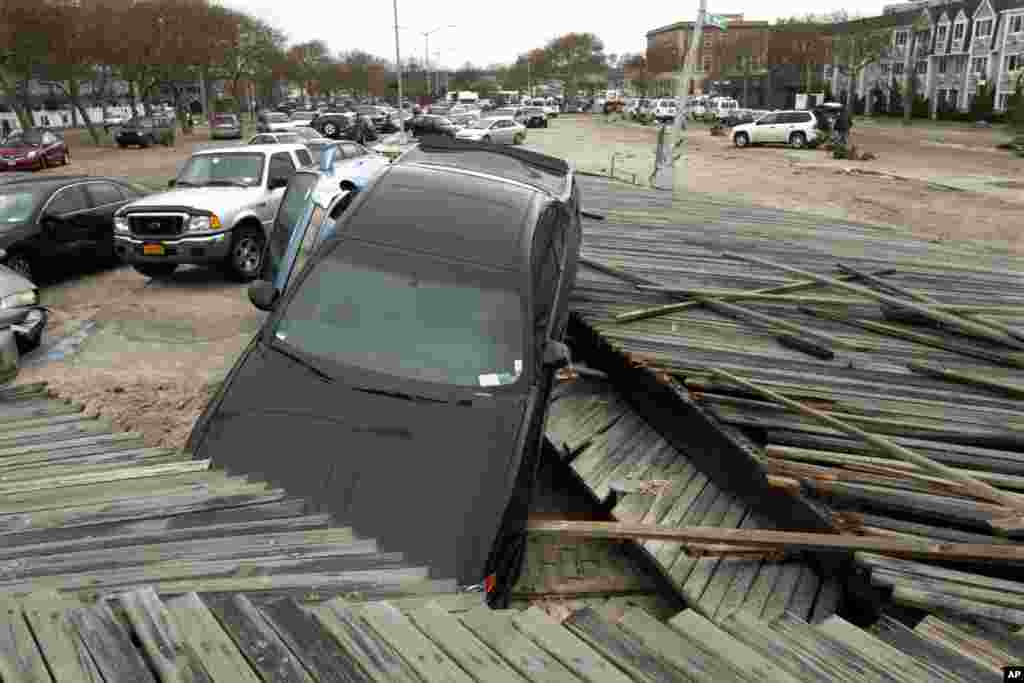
x: 856, y: 43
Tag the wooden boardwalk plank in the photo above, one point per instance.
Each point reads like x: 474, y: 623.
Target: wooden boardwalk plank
x: 806, y: 661
x: 498, y: 631
x: 635, y: 507
x: 164, y: 645
x: 20, y: 659
x: 762, y: 589
x: 312, y: 643
x: 806, y: 590
x: 832, y: 654
x: 628, y: 654
x: 677, y: 651
x: 827, y: 602
x: 759, y: 667
x: 110, y: 645
x: 709, y: 578
x: 376, y: 658
x: 208, y: 640
x: 459, y: 643
x: 102, y: 475
x: 782, y: 591
x: 66, y: 655
x: 958, y: 640
x: 259, y: 642
x: 572, y: 652
x: 670, y: 509
x: 422, y: 654
x: 925, y: 650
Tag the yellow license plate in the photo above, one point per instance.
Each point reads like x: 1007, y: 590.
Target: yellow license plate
x: 153, y: 249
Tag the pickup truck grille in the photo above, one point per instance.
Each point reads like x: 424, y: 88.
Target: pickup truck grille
x: 156, y: 226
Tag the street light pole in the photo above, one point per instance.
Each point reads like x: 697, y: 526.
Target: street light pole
x: 398, y: 73
x: 426, y: 61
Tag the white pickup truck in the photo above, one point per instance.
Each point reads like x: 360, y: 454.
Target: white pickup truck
x: 218, y: 212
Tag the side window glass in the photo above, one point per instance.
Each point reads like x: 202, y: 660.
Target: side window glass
x: 304, y: 157
x: 281, y: 165
x: 104, y: 193
x: 309, y: 243
x: 546, y: 266
x: 68, y: 200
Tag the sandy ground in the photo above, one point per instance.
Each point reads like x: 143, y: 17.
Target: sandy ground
x: 153, y: 351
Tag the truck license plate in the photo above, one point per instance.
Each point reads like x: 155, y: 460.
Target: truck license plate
x: 153, y: 249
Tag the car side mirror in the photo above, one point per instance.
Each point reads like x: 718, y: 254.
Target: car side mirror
x: 172, y: 182
x: 263, y: 295
x: 275, y: 183
x: 556, y: 355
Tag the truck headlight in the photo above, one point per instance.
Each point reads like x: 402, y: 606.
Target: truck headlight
x: 121, y: 225
x: 19, y: 299
x: 204, y: 223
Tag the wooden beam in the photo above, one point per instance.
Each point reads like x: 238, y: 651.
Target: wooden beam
x: 966, y: 326
x: 978, y: 489
x: 788, y: 541
x: 1005, y: 388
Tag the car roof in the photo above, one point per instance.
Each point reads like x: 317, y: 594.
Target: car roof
x: 249, y: 149
x: 51, y: 181
x: 446, y: 212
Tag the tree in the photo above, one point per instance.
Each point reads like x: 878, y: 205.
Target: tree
x: 856, y: 43
x: 249, y: 48
x: 465, y: 77
x: 306, y: 61
x: 802, y: 43
x: 24, y: 45
x: 575, y: 57
x: 635, y: 73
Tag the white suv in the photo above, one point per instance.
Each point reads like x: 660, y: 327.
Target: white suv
x: 795, y: 128
x: 665, y: 112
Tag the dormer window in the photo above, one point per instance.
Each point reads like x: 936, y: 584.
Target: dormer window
x: 983, y: 28
x: 940, y: 35
x: 901, y: 38
x: 1017, y: 23
x: 958, y: 31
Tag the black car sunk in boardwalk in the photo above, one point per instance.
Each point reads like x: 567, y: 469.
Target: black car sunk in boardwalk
x: 402, y: 378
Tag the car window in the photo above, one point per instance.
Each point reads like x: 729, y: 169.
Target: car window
x: 68, y: 200
x: 17, y: 207
x: 304, y: 158
x: 768, y: 119
x: 293, y: 203
x: 104, y: 193
x: 803, y: 117
x: 232, y: 168
x: 281, y: 165
x: 407, y: 315
x: 260, y: 140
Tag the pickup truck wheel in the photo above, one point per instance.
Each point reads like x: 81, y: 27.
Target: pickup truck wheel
x: 741, y: 140
x: 330, y: 130
x: 21, y: 264
x: 246, y: 255
x: 797, y: 140
x: 156, y: 270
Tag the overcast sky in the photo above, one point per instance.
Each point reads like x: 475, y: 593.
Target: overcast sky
x: 489, y: 32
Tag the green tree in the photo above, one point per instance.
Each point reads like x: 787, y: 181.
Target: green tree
x: 857, y: 42
x: 306, y: 62
x: 800, y: 42
x: 24, y: 47
x: 574, y: 58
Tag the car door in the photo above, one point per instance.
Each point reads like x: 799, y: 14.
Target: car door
x: 104, y: 199
x: 65, y: 221
x: 766, y: 129
x: 280, y: 166
x: 51, y: 148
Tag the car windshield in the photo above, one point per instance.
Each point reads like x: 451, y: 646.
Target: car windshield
x: 481, y: 124
x: 303, y: 116
x: 28, y: 137
x: 244, y: 169
x: 276, y: 118
x: 306, y: 133
x: 16, y: 207
x: 409, y: 316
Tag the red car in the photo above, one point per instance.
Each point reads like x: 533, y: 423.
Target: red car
x: 33, y: 149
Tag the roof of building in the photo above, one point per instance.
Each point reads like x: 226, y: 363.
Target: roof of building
x: 735, y: 23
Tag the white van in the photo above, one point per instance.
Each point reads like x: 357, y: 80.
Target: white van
x: 723, y: 106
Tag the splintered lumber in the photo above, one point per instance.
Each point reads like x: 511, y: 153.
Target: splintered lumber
x: 964, y: 325
x: 932, y: 600
x: 1006, y: 388
x: 798, y: 286
x: 782, y: 540
x: 162, y: 640
x: 977, y: 488
x: 774, y: 322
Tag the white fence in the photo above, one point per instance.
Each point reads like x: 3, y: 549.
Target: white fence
x: 65, y: 118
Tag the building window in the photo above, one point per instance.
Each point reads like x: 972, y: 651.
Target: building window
x: 983, y: 29
x: 885, y: 68
x: 922, y: 67
x: 1004, y: 100
x: 940, y: 35
x: 978, y: 65
x: 941, y: 67
x: 901, y: 38
x: 1012, y: 62
x: 958, y: 31
x: 1016, y: 23
x: 897, y: 68
x: 706, y: 66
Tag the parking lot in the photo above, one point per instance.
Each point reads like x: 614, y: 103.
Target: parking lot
x: 162, y: 346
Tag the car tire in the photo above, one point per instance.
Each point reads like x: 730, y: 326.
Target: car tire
x: 122, y: 145
x: 21, y: 263
x: 42, y: 163
x: 486, y: 138
x: 798, y: 140
x: 245, y: 258
x: 156, y: 270
x: 741, y: 139
x: 330, y: 130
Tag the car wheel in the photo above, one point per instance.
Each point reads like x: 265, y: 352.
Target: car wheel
x: 122, y: 145
x: 156, y: 270
x: 246, y: 255
x: 518, y: 139
x: 21, y: 264
x: 741, y: 139
x: 797, y: 140
x: 330, y: 130
x: 487, y: 138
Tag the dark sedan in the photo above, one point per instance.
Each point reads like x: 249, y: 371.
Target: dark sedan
x: 431, y: 125
x: 145, y: 131
x: 402, y: 378
x: 534, y: 117
x: 33, y: 150
x: 52, y: 219
x: 381, y: 118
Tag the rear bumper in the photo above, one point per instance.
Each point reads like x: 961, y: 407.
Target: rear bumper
x: 26, y: 323
x: 225, y: 134
x: 19, y: 164
x: 180, y: 250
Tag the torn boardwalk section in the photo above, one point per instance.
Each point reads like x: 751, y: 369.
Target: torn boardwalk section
x: 868, y: 374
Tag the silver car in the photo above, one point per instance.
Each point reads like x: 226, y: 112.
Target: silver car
x: 225, y: 127
x: 498, y: 129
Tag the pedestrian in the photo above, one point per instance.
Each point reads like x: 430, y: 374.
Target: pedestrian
x: 842, y: 127
x: 7, y: 128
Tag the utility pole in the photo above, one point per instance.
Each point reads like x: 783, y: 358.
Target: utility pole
x: 669, y: 140
x: 398, y: 73
x: 426, y: 63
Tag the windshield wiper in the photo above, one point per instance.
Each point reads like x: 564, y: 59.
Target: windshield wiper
x: 228, y: 183
x: 179, y: 183
x: 324, y: 377
x: 399, y: 394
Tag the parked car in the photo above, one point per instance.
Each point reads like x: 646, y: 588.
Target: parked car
x: 217, y: 213
x: 33, y: 149
x: 409, y: 323
x: 145, y: 131
x: 383, y: 120
x: 665, y: 111
x: 271, y: 121
x: 429, y: 124
x: 354, y: 165
x: 517, y: 113
x: 50, y: 220
x: 276, y: 139
x: 534, y: 117
x: 306, y: 133
x: 301, y: 118
x: 226, y: 127
x: 21, y: 317
x: 113, y: 120
x: 333, y: 125
x: 796, y: 128
x: 497, y: 130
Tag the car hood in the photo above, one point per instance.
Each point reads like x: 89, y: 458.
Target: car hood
x: 17, y: 150
x: 220, y: 200
x: 471, y: 132
x: 743, y: 127
x: 429, y: 479
x: 11, y: 282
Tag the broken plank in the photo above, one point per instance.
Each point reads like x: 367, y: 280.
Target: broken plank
x: 164, y: 645
x: 827, y: 602
x: 20, y: 659
x: 312, y: 643
x: 258, y: 642
x: 66, y: 655
x: 375, y: 657
x: 459, y: 643
x: 891, y: 631
x: 561, y: 644
x: 103, y: 476
x: 110, y: 645
x: 978, y: 649
x: 931, y: 600
x: 616, y: 646
x: 208, y: 640
x: 498, y: 631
